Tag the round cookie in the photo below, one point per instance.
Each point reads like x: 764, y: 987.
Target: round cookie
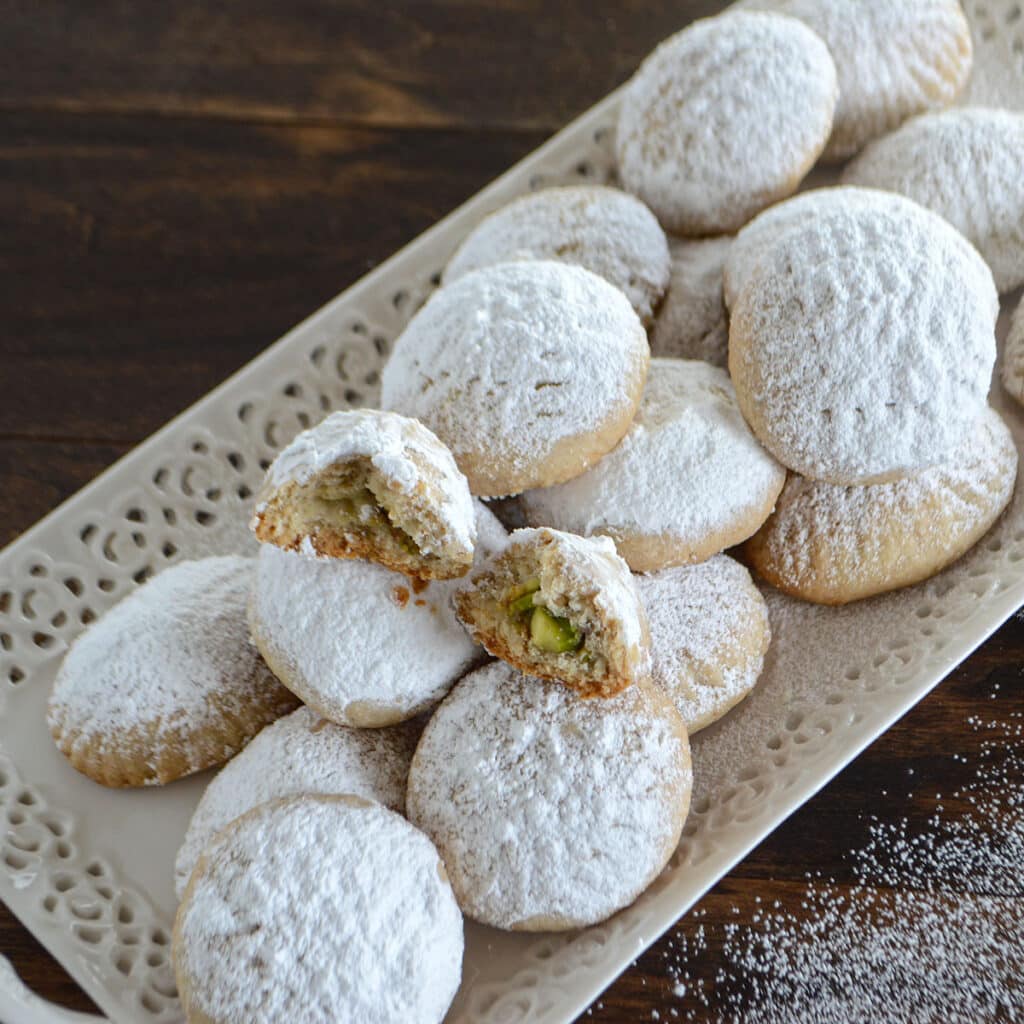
x: 369, y: 484
x: 895, y: 58
x: 1013, y: 356
x: 167, y: 682
x: 964, y: 165
x: 316, y: 909
x: 861, y: 347
x: 300, y: 753
x: 692, y: 322
x: 833, y: 545
x: 725, y: 118
x: 528, y: 371
x: 603, y: 229
x: 361, y: 645
x: 709, y: 635
x: 767, y: 228
x: 550, y: 811
x: 687, y: 481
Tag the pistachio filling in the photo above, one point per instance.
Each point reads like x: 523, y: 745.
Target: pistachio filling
x: 359, y: 505
x: 548, y: 632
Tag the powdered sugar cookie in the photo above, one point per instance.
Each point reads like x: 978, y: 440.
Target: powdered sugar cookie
x: 370, y: 484
x: 361, y: 645
x: 894, y: 60
x: 833, y: 545
x: 724, y: 118
x: 692, y: 322
x: 603, y: 229
x: 301, y: 753
x: 528, y: 371
x: 1013, y: 356
x: 861, y: 347
x: 687, y: 481
x: 167, y: 682
x: 317, y: 909
x: 965, y: 165
x: 550, y: 811
x: 560, y: 607
x: 773, y: 224
x: 709, y: 635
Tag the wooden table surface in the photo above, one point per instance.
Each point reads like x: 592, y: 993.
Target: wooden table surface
x: 183, y: 182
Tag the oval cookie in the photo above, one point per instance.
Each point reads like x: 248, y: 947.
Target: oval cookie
x: 861, y: 347
x: 686, y: 482
x: 833, y: 545
x: 519, y: 782
x: 528, y: 371
x: 605, y: 230
x: 725, y: 118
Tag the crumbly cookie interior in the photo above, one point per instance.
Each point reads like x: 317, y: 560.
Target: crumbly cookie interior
x: 348, y: 511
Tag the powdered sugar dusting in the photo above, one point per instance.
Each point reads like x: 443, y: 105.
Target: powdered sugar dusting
x: 315, y: 909
x: 545, y: 805
x: 894, y: 59
x: 965, y: 165
x: 689, y: 470
x: 692, y: 322
x: 862, y: 345
x: 170, y: 663
x: 603, y: 229
x: 724, y: 118
x: 1013, y: 355
x: 709, y: 634
x: 511, y: 363
x: 301, y: 753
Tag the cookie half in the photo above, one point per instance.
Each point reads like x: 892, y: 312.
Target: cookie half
x: 300, y: 753
x: 725, y: 118
x: 964, y: 165
x: 709, y: 636
x: 167, y: 682
x: 560, y: 607
x: 687, y: 481
x: 861, y: 347
x: 603, y: 229
x: 316, y: 909
x: 528, y: 371
x: 833, y: 545
x: 373, y: 485
x: 551, y: 812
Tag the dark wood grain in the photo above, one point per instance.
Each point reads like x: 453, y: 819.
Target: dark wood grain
x: 183, y: 182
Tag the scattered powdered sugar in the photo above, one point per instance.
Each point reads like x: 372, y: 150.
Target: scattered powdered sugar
x: 317, y: 909
x: 709, y: 634
x: 692, y: 322
x: 1013, y: 356
x: 548, y: 808
x: 689, y: 472
x: 930, y: 929
x: 406, y: 455
x: 603, y: 229
x: 894, y: 58
x: 767, y: 228
x: 965, y: 165
x: 168, y: 670
x: 301, y: 753
x: 830, y: 543
x: 862, y: 345
x: 517, y: 366
x: 724, y: 118
x: 997, y: 78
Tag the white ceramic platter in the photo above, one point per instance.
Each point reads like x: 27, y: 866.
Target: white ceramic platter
x: 89, y: 871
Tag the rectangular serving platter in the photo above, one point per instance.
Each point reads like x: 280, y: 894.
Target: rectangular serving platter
x: 89, y: 871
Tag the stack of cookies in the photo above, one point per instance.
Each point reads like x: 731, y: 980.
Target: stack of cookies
x: 497, y: 724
